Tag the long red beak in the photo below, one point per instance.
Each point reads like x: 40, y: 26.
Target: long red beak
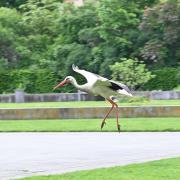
x: 60, y: 84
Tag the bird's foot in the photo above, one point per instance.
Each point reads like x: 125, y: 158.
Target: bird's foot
x: 102, y: 124
x: 118, y: 127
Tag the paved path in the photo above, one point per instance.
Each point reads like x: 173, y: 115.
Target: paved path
x: 26, y: 154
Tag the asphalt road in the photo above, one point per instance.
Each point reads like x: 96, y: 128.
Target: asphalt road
x: 27, y: 154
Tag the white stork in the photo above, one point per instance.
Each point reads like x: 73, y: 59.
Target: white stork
x: 98, y: 85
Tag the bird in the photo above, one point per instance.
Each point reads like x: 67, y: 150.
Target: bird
x: 97, y: 85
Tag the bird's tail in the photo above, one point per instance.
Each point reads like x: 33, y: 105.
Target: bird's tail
x: 74, y: 67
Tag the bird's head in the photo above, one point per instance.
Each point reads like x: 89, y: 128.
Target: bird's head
x: 67, y: 80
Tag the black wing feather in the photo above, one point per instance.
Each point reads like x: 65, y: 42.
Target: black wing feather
x: 118, y: 86
x: 115, y: 86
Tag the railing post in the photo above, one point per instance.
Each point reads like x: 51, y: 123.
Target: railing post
x: 19, y: 96
x: 79, y: 95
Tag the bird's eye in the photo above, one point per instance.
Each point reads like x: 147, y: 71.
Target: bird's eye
x: 68, y: 79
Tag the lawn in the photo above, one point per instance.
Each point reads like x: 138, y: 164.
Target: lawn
x: 88, y: 104
x: 167, y: 169
x: 90, y: 125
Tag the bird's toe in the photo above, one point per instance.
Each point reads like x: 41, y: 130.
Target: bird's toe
x: 102, y: 124
x: 118, y: 127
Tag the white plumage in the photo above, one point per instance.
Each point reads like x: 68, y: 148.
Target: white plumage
x: 98, y: 85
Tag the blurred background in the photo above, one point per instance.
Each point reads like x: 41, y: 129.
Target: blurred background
x: 134, y: 42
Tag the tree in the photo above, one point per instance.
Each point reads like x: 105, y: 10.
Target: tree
x: 40, y: 21
x: 131, y: 72
x: 9, y: 37
x: 166, y: 79
x: 161, y: 33
x: 118, y: 28
x: 12, y: 3
x: 78, y: 36
x: 101, y: 40
x: 145, y: 3
x: 52, y: 35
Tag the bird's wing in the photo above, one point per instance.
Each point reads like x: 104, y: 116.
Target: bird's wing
x: 119, y: 86
x: 102, y: 82
x: 90, y: 77
x: 97, y: 81
x: 113, y: 85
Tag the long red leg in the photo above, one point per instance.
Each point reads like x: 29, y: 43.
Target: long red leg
x: 104, y: 120
x: 117, y: 118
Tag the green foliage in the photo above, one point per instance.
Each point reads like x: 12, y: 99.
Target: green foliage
x: 45, y: 80
x: 37, y: 80
x: 95, y: 43
x: 48, y: 36
x: 146, y: 3
x: 165, y: 79
x: 177, y: 88
x: 178, y: 76
x: 115, y: 18
x: 118, y: 28
x: 12, y: 3
x: 159, y: 28
x: 5, y: 82
x: 131, y: 72
x: 9, y: 37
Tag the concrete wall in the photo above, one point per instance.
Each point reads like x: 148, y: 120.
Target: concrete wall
x: 159, y: 94
x: 49, y: 97
x: 89, y: 112
x: 7, y: 98
x: 55, y: 97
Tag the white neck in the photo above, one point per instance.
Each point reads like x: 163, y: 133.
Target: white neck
x: 76, y: 85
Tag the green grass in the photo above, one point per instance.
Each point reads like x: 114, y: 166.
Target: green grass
x: 87, y: 104
x: 167, y: 169
x: 90, y: 125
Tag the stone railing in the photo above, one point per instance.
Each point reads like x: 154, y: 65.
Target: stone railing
x: 20, y: 96
x: 88, y: 112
